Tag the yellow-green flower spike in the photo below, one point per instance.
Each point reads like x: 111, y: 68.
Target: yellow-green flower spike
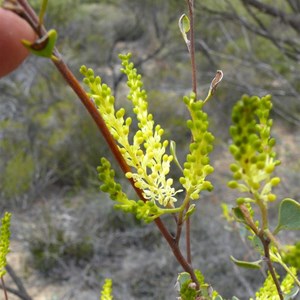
x: 148, y: 211
x: 292, y: 255
x: 4, y: 242
x: 268, y: 290
x: 197, y: 166
x: 252, y: 148
x: 146, y: 153
x: 106, y: 293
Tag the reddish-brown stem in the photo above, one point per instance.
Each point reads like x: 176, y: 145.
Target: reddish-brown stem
x: 266, y: 243
x: 177, y: 252
x: 4, y: 288
x: 180, y: 218
x: 91, y: 108
x: 180, y: 223
x: 188, y: 238
x: 190, y: 4
x: 179, y: 230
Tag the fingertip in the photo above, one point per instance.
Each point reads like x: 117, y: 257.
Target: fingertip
x: 13, y: 29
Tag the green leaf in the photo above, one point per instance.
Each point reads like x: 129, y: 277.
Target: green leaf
x: 289, y: 215
x: 173, y: 152
x: 183, y: 278
x: 44, y: 46
x: 184, y: 26
x: 247, y: 264
x: 43, y: 11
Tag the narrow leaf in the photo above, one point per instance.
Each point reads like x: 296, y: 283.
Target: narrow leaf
x: 184, y: 23
x: 247, y: 264
x: 191, y: 210
x: 173, y: 152
x: 43, y: 11
x: 184, y: 26
x: 289, y: 215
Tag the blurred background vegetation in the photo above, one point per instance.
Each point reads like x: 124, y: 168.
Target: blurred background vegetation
x: 50, y: 148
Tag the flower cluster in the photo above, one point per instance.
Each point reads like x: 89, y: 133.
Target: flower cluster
x: 268, y: 290
x: 197, y: 166
x: 186, y: 287
x: 106, y: 293
x: 4, y: 241
x: 147, y: 211
x: 252, y: 149
x: 292, y: 255
x: 146, y: 153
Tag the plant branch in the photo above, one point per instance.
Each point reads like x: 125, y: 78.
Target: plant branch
x: 185, y: 206
x: 188, y: 237
x: 286, y: 45
x: 180, y: 217
x: 14, y: 292
x: 292, y: 20
x: 190, y: 4
x: 277, y: 258
x: 4, y: 288
x: 21, y: 289
x: 20, y: 292
x: 191, y: 47
x: 266, y: 244
x: 91, y: 108
x: 264, y: 213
